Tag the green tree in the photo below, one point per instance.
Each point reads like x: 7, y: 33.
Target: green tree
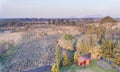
x: 65, y: 60
x: 82, y: 46
x: 116, y: 58
x: 110, y: 50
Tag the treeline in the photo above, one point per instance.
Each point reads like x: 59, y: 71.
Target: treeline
x: 18, y: 22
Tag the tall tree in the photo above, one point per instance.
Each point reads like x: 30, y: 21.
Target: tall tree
x: 75, y: 57
x: 57, y: 58
x: 65, y: 60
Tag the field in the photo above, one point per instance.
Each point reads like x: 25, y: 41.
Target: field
x: 15, y: 37
x: 36, y: 47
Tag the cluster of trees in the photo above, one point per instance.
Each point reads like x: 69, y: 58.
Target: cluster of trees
x: 108, y: 19
x: 82, y: 47
x: 111, y: 50
x: 69, y: 56
x: 63, y: 56
x: 11, y: 23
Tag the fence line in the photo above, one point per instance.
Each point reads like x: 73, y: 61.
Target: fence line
x: 111, y: 63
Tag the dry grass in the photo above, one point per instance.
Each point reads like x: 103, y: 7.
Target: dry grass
x: 7, y: 37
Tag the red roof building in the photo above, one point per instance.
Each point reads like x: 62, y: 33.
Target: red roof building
x: 84, y: 60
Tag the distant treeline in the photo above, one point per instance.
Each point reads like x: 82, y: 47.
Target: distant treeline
x: 18, y: 22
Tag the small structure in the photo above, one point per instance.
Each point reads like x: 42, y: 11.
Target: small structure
x: 84, y: 60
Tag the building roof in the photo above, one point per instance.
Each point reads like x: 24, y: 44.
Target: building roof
x: 85, y: 57
x: 81, y: 59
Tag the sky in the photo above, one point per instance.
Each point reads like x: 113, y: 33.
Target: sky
x: 59, y: 8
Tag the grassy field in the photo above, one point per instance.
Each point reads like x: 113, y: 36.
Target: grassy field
x: 93, y: 67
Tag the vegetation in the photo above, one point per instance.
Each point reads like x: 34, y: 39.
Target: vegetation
x: 75, y: 57
x: 92, y: 67
x: 57, y: 58
x: 83, y: 43
x: 68, y: 37
x: 54, y: 68
x: 108, y: 19
x: 65, y: 60
x: 8, y: 53
x: 110, y: 50
x: 82, y: 46
x: 99, y: 31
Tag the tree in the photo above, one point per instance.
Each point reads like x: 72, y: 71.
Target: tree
x: 86, y: 48
x: 79, y: 46
x: 98, y: 32
x: 60, y: 65
x: 108, y: 19
x: 11, y: 23
x: 92, y: 29
x: 71, y: 56
x: 82, y: 46
x: 65, y: 60
x: 116, y: 58
x: 110, y: 50
x: 75, y: 57
x: 105, y: 48
x: 54, y: 68
x: 57, y: 58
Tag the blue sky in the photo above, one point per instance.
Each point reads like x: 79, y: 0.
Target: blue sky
x: 59, y: 8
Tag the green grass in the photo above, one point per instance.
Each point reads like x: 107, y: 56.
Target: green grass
x: 92, y: 67
x: 6, y: 55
